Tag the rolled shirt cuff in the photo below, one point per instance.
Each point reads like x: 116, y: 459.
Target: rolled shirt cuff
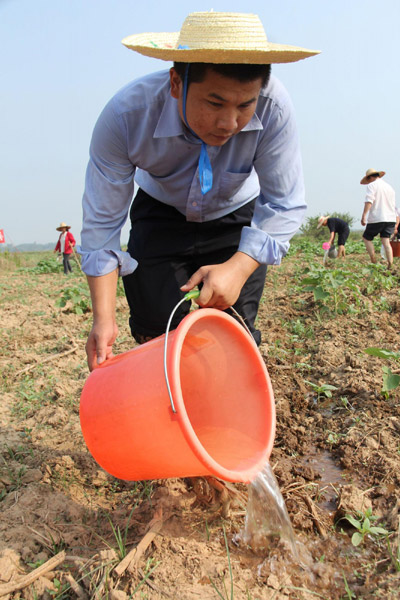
x: 101, y: 262
x: 262, y: 247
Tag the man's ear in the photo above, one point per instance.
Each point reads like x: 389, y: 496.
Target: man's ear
x: 176, y: 83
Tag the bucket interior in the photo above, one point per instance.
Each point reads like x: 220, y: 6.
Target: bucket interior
x: 227, y: 393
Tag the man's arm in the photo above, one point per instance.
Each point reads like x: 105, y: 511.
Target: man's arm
x: 108, y: 193
x: 367, y: 207
x: 104, y: 329
x: 396, y: 227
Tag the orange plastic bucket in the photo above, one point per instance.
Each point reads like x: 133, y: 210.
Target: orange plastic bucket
x: 224, y: 423
x: 395, y: 247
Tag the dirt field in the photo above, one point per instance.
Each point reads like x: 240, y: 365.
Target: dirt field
x: 336, y: 453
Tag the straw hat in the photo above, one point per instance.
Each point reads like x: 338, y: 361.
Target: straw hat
x: 321, y: 221
x: 62, y: 225
x: 216, y: 37
x: 370, y: 172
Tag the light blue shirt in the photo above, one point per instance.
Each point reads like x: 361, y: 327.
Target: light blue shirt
x: 140, y: 137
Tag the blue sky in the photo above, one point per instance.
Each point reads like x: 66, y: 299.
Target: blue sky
x: 61, y: 61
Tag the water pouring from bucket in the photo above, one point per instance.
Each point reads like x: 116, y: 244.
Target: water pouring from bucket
x: 214, y: 413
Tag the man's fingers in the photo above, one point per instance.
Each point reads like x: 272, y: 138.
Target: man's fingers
x: 194, y: 280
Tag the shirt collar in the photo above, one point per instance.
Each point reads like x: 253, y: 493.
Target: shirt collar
x: 170, y: 123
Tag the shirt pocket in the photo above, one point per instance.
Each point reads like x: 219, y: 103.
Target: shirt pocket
x: 229, y: 186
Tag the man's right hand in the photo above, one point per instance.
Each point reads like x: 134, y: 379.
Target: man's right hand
x: 99, y: 344
x: 104, y: 330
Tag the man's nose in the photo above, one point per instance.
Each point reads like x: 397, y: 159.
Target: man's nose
x: 228, y: 120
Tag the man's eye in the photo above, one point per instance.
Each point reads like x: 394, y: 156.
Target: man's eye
x: 217, y: 104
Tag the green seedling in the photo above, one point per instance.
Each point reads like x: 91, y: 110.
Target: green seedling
x: 349, y: 594
x: 323, y: 390
x: 364, y: 527
x: 395, y: 555
x: 149, y: 569
x: 46, y: 265
x: 225, y: 595
x: 79, y: 298
x: 391, y: 380
x: 60, y: 593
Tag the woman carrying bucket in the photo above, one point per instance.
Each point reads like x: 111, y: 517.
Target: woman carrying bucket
x: 213, y: 208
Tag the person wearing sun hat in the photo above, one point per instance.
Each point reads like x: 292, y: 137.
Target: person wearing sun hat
x: 212, y: 145
x: 379, y: 214
x: 336, y: 226
x: 65, y: 245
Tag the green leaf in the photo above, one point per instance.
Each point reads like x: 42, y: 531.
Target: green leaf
x: 353, y: 521
x: 390, y: 380
x: 319, y: 293
x: 382, y: 353
x: 356, y: 539
x: 378, y: 530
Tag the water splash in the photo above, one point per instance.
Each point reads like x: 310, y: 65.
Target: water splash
x: 267, y: 521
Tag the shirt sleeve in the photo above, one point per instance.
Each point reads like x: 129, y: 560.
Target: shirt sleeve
x: 370, y: 196
x: 281, y: 205
x: 108, y: 193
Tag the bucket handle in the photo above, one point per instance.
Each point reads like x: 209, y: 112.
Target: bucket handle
x: 189, y: 296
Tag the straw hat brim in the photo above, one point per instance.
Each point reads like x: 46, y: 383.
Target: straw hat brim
x: 364, y: 180
x: 321, y: 221
x: 61, y: 227
x: 165, y: 47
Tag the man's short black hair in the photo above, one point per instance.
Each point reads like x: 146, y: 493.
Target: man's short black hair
x: 240, y: 72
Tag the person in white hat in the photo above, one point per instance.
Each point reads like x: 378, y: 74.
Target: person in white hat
x: 379, y: 214
x: 65, y: 246
x: 213, y: 147
x: 336, y: 226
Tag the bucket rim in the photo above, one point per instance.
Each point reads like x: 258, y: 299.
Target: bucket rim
x: 189, y: 432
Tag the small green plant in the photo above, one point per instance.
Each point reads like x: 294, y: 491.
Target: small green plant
x: 349, y: 594
x: 60, y: 592
x: 333, y: 437
x: 150, y: 567
x: 390, y: 380
x: 364, y: 527
x: 395, y: 555
x: 79, y: 298
x: 120, y: 537
x: 322, y: 390
x: 46, y: 265
x: 336, y: 290
x: 224, y: 594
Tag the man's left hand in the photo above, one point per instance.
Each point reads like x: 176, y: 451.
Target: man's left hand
x: 222, y: 283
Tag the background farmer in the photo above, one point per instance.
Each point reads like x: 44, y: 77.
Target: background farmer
x: 379, y: 213
x: 336, y: 225
x: 65, y: 245
x: 213, y: 146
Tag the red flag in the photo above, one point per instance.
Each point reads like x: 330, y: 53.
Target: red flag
x: 2, y: 238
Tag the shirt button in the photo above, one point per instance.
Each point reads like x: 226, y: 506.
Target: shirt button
x: 194, y: 203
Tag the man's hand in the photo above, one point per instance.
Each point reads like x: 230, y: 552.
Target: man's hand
x: 222, y: 283
x: 104, y: 330
x: 100, y: 341
x: 363, y: 221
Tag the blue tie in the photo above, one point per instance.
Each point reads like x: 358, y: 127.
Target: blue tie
x: 205, y: 169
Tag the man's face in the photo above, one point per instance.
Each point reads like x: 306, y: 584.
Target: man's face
x: 218, y: 107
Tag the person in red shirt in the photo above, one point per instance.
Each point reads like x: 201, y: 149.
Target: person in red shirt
x: 65, y: 245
